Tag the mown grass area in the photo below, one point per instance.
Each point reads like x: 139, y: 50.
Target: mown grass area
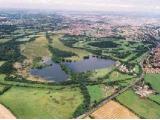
x: 42, y: 103
x: 143, y: 107
x: 36, y: 48
x: 96, y: 93
x: 56, y: 43
x: 153, y: 80
x: 112, y: 76
x: 109, y: 73
x: 116, y: 75
x: 100, y: 73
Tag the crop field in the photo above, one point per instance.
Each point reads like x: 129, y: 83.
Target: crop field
x: 153, y: 80
x: 56, y: 43
x: 42, y: 103
x: 144, y: 108
x: 96, y: 93
x: 36, y: 48
x: 155, y: 98
x: 113, y: 110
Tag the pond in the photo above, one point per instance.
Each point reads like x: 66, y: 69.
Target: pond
x: 56, y: 74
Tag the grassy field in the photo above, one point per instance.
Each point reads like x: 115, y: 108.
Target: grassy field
x: 96, y: 93
x: 155, y: 98
x: 153, y: 80
x: 56, y: 43
x: 42, y: 103
x: 36, y: 48
x: 100, y: 73
x: 143, y: 107
x: 109, y: 73
x: 116, y: 75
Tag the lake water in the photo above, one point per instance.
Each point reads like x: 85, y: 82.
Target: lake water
x: 89, y: 64
x: 51, y: 73
x: 55, y: 73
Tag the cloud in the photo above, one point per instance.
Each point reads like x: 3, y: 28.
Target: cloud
x: 83, y: 5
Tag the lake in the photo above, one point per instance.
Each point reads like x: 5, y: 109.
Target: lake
x: 55, y: 73
x: 51, y: 73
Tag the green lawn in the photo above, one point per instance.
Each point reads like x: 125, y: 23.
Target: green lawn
x: 154, y: 80
x: 96, y: 93
x: 141, y: 106
x: 42, y: 103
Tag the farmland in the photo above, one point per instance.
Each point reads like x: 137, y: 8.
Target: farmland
x: 153, y: 80
x: 113, y: 110
x: 42, y: 103
x: 96, y: 92
x: 142, y: 107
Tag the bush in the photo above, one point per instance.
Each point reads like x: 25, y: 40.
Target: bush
x: 7, y: 68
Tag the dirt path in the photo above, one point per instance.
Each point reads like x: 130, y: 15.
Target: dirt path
x: 5, y: 113
x: 113, y: 110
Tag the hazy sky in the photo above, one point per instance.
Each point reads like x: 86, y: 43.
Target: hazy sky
x: 85, y: 5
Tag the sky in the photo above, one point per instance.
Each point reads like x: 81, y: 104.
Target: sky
x: 85, y: 5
